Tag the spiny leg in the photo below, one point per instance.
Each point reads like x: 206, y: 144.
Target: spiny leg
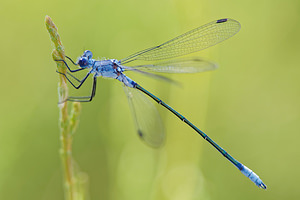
x: 85, y: 98
x: 81, y: 82
x: 75, y: 70
x: 71, y: 60
x: 73, y: 76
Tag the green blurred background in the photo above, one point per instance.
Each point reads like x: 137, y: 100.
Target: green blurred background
x: 250, y: 105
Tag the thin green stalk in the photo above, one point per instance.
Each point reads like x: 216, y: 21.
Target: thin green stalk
x: 74, y: 189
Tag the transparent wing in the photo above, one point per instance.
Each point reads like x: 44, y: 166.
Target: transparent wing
x: 192, y: 41
x: 144, y: 72
x: 146, y: 117
x: 184, y: 65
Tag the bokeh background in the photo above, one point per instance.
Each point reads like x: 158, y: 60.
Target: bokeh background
x: 250, y: 105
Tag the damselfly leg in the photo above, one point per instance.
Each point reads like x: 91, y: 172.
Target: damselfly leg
x: 85, y: 98
x: 80, y: 81
x: 80, y: 98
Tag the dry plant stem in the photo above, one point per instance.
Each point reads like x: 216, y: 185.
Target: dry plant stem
x: 68, y: 123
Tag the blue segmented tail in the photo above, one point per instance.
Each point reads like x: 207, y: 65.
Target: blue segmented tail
x: 245, y: 170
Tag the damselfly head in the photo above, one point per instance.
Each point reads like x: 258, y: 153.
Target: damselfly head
x: 83, y: 62
x: 87, y: 54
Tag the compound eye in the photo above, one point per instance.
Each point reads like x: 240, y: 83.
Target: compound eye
x: 83, y: 62
x: 88, y: 54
